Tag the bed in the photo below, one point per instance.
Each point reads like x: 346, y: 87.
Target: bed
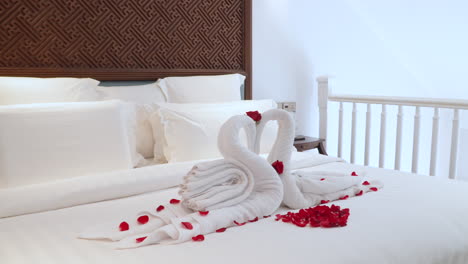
x: 413, y: 219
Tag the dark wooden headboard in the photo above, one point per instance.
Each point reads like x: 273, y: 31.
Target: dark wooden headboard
x: 125, y: 39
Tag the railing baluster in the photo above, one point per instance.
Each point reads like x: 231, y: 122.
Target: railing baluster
x: 454, y: 148
x: 399, y: 138
x: 417, y: 125
x: 368, y: 130
x: 435, y: 142
x: 340, y: 132
x: 353, y: 134
x: 383, y: 124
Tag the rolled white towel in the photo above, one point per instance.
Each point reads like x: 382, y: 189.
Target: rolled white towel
x: 216, y: 184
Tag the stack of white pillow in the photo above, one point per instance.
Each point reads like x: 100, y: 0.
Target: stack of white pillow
x: 57, y: 128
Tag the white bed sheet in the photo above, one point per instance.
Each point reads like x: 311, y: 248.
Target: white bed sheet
x: 414, y: 219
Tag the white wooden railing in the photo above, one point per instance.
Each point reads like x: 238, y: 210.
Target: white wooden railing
x: 325, y: 95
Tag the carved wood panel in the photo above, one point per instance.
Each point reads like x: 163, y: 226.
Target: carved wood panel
x: 124, y: 39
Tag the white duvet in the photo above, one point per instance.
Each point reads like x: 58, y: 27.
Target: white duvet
x: 414, y: 219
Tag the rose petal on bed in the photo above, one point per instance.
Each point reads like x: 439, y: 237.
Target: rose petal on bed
x: 344, y: 197
x: 198, y: 238
x: 254, y: 220
x: 221, y: 230
x: 174, y: 201
x: 239, y: 224
x: 143, y: 219
x: 324, y: 201
x: 160, y: 208
x: 366, y: 183
x: 354, y: 173
x: 322, y: 179
x: 140, y: 239
x: 124, y: 226
x: 187, y: 225
x: 374, y: 189
x: 267, y: 216
x: 360, y: 193
x: 204, y: 213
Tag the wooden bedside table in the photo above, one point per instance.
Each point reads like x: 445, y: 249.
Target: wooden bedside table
x: 310, y: 143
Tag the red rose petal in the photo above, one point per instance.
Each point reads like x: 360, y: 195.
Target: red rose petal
x: 160, y: 208
x: 174, y: 201
x: 239, y: 224
x: 374, y: 189
x: 143, y: 219
x: 267, y: 216
x: 255, y: 115
x: 324, y: 201
x: 221, y: 230
x: 322, y: 179
x: 354, y: 173
x: 360, y: 193
x: 140, y: 239
x: 124, y: 226
x: 198, y: 238
x: 278, y: 166
x: 254, y: 220
x: 319, y: 216
x: 204, y: 213
x: 187, y: 225
x: 344, y: 197
x: 366, y: 183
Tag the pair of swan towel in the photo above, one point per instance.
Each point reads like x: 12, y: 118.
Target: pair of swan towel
x: 242, y: 187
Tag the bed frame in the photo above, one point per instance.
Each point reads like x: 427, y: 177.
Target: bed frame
x: 126, y: 39
x: 325, y: 96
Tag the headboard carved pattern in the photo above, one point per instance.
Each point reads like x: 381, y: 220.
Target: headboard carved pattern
x: 125, y: 39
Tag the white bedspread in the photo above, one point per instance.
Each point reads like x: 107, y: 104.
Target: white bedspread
x: 414, y: 219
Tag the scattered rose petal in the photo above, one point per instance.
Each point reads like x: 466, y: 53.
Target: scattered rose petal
x: 124, y: 226
x: 204, y: 213
x: 239, y: 224
x: 319, y: 216
x: 344, y: 197
x: 255, y: 115
x: 143, y: 219
x: 354, y: 173
x: 374, y: 189
x: 254, y: 220
x: 322, y: 179
x: 324, y: 201
x: 221, y: 230
x: 366, y: 183
x: 267, y: 216
x: 361, y: 192
x: 187, y: 225
x: 174, y: 201
x: 160, y: 208
x: 198, y: 238
x: 278, y: 166
x: 140, y: 239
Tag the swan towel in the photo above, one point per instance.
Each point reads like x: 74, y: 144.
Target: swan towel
x: 240, y: 188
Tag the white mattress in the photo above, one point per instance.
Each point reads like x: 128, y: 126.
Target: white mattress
x: 414, y: 219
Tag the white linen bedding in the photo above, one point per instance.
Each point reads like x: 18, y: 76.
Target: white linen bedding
x: 414, y: 219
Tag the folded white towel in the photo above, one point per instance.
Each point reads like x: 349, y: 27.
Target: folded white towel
x: 305, y: 188
x: 244, y: 171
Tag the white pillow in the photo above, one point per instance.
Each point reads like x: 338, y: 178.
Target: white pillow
x: 202, y: 89
x: 144, y: 97
x: 47, y: 142
x: 191, y: 130
x: 25, y: 90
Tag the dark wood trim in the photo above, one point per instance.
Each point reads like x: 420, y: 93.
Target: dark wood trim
x: 61, y: 45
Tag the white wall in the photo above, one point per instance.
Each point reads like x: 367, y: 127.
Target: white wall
x: 397, y: 47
